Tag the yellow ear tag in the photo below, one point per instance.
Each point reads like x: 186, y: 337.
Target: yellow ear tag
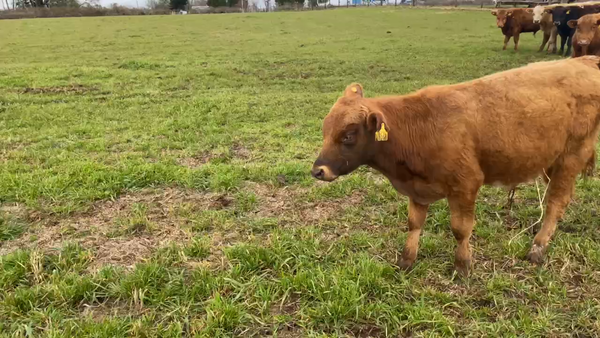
x: 354, y: 90
x: 382, y: 134
x: 568, y: 12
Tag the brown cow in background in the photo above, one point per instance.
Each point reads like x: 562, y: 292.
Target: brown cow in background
x: 448, y: 141
x: 586, y: 40
x: 515, y: 21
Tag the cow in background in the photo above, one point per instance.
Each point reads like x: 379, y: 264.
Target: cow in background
x: 561, y: 15
x: 544, y: 19
x: 513, y: 22
x: 586, y: 40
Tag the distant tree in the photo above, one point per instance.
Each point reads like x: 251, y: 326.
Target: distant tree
x: 91, y: 3
x: 32, y: 3
x: 222, y: 3
x: 46, y: 3
x: 175, y: 5
x: 217, y: 3
x: 297, y: 3
x: 63, y: 3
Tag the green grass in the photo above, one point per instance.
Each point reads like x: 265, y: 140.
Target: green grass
x: 154, y: 182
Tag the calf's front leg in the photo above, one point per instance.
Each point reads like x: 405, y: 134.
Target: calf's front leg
x: 462, y: 220
x: 516, y: 40
x: 552, y: 43
x: 544, y: 41
x: 417, y: 213
x: 506, y: 39
x: 569, y: 45
x: 563, y: 41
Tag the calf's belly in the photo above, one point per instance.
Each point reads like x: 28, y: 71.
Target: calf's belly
x: 513, y: 169
x: 419, y: 191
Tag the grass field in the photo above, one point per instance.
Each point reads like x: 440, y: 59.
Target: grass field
x: 154, y: 181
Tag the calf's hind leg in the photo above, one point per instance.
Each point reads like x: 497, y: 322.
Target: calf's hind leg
x: 560, y: 189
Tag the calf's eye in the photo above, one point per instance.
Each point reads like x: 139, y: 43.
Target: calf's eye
x: 348, y: 139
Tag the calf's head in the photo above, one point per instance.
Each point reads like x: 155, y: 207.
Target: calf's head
x: 559, y: 15
x: 350, y: 132
x: 538, y: 13
x: 502, y: 15
x: 586, y: 26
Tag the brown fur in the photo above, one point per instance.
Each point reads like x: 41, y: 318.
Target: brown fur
x: 586, y: 30
x: 515, y: 21
x: 448, y: 141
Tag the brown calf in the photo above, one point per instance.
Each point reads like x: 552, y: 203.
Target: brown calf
x: 448, y: 141
x: 586, y: 40
x: 515, y: 21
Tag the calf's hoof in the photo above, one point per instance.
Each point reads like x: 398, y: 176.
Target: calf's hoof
x: 536, y: 254
x: 462, y: 267
x: 405, y: 264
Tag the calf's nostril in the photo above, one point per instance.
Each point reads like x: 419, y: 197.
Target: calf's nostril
x: 318, y: 173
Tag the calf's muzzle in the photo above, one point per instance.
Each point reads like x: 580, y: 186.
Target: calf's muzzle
x: 322, y: 171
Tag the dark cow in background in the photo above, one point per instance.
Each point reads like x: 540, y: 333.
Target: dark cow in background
x: 515, y: 21
x: 586, y: 40
x: 561, y: 15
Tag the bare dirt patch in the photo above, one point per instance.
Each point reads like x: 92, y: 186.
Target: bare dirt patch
x: 131, y: 228
x: 195, y: 161
x: 16, y: 210
x: 72, y: 89
x: 158, y: 224
x: 117, y: 309
x: 241, y: 152
x: 286, y: 203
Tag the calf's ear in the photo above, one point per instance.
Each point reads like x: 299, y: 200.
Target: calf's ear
x: 572, y: 23
x: 354, y: 90
x: 529, y: 10
x: 376, y: 122
x: 494, y: 13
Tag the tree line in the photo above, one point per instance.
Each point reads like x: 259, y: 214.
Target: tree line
x: 173, y: 5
